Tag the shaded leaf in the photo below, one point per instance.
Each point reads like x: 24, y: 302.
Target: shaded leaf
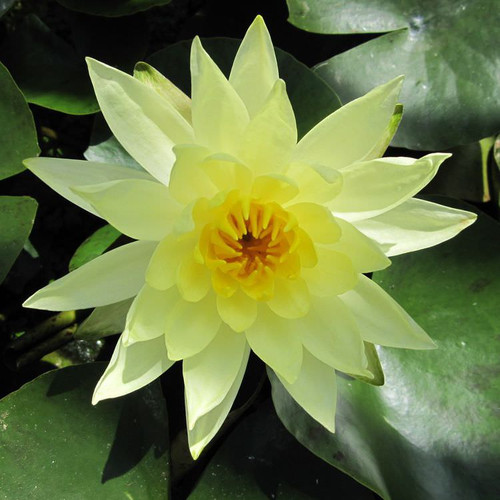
x: 432, y: 430
x: 95, y: 245
x: 111, y: 8
x: 55, y: 444
x: 17, y: 128
x: 261, y: 460
x: 5, y: 5
x: 17, y: 214
x: 446, y: 49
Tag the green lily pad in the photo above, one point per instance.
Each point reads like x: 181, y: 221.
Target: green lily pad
x: 446, y: 49
x: 55, y: 444
x: 111, y: 8
x: 261, y: 460
x: 312, y: 99
x: 95, y: 245
x: 432, y: 430
x: 18, y: 134
x: 17, y: 214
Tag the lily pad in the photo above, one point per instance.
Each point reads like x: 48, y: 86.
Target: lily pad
x: 261, y: 460
x: 17, y: 134
x: 17, y: 214
x: 111, y: 8
x: 55, y: 444
x: 446, y: 49
x: 432, y: 430
x: 312, y: 99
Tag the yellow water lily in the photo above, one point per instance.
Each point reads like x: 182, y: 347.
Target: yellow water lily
x: 247, y: 239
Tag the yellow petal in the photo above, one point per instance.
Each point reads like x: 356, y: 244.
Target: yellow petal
x: 210, y: 374
x: 382, y: 320
x: 141, y: 209
x: 219, y: 115
x: 291, y: 298
x: 254, y: 70
x: 238, y: 311
x: 146, y: 124
x: 275, y: 342
x: 193, y: 279
x: 191, y: 326
x: 114, y: 276
x: 317, y: 221
x: 274, y: 187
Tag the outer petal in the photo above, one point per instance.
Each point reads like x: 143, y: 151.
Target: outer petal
x: 271, y: 135
x: 366, y: 255
x: 238, y: 311
x: 219, y: 115
x: 377, y: 186
x: 330, y: 333
x: 275, y: 342
x: 114, y: 276
x: 382, y: 320
x: 350, y: 133
x: 414, y: 225
x: 148, y: 313
x: 132, y: 367
x: 315, y: 390
x: 145, y: 123
x: 207, y: 426
x: 210, y: 374
x: 191, y: 326
x: 254, y: 70
x: 61, y: 174
x: 141, y: 209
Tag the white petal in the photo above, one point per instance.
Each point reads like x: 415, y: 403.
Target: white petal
x: 254, y: 70
x: 145, y: 123
x: 210, y: 374
x: 114, y: 276
x: 61, y: 174
x: 219, y: 115
x: 374, y: 187
x: 349, y: 134
x: 414, y: 225
x: 315, y: 390
x: 132, y: 367
x: 104, y: 321
x: 382, y: 320
x: 141, y: 209
x: 207, y: 426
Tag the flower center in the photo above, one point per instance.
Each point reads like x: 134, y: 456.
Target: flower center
x: 248, y: 243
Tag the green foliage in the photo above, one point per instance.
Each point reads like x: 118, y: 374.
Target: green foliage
x: 17, y: 135
x: 53, y: 440
x: 431, y: 431
x: 451, y: 92
x: 111, y: 8
x: 17, y: 214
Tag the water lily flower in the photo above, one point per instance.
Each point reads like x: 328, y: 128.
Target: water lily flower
x: 246, y: 239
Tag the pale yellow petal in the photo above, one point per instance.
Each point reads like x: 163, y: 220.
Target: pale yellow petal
x: 315, y: 390
x: 141, y: 209
x: 219, y: 115
x: 62, y: 175
x: 114, y: 276
x: 277, y: 343
x: 193, y: 279
x: 210, y: 374
x: 365, y: 255
x: 374, y: 187
x: 349, y: 134
x: 414, y: 225
x: 131, y: 368
x: 254, y: 70
x: 290, y: 299
x: 274, y: 187
x: 191, y: 326
x: 382, y: 320
x: 207, y: 425
x: 238, y: 311
x: 333, y: 274
x: 271, y: 135
x: 317, y: 221
x: 146, y: 124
